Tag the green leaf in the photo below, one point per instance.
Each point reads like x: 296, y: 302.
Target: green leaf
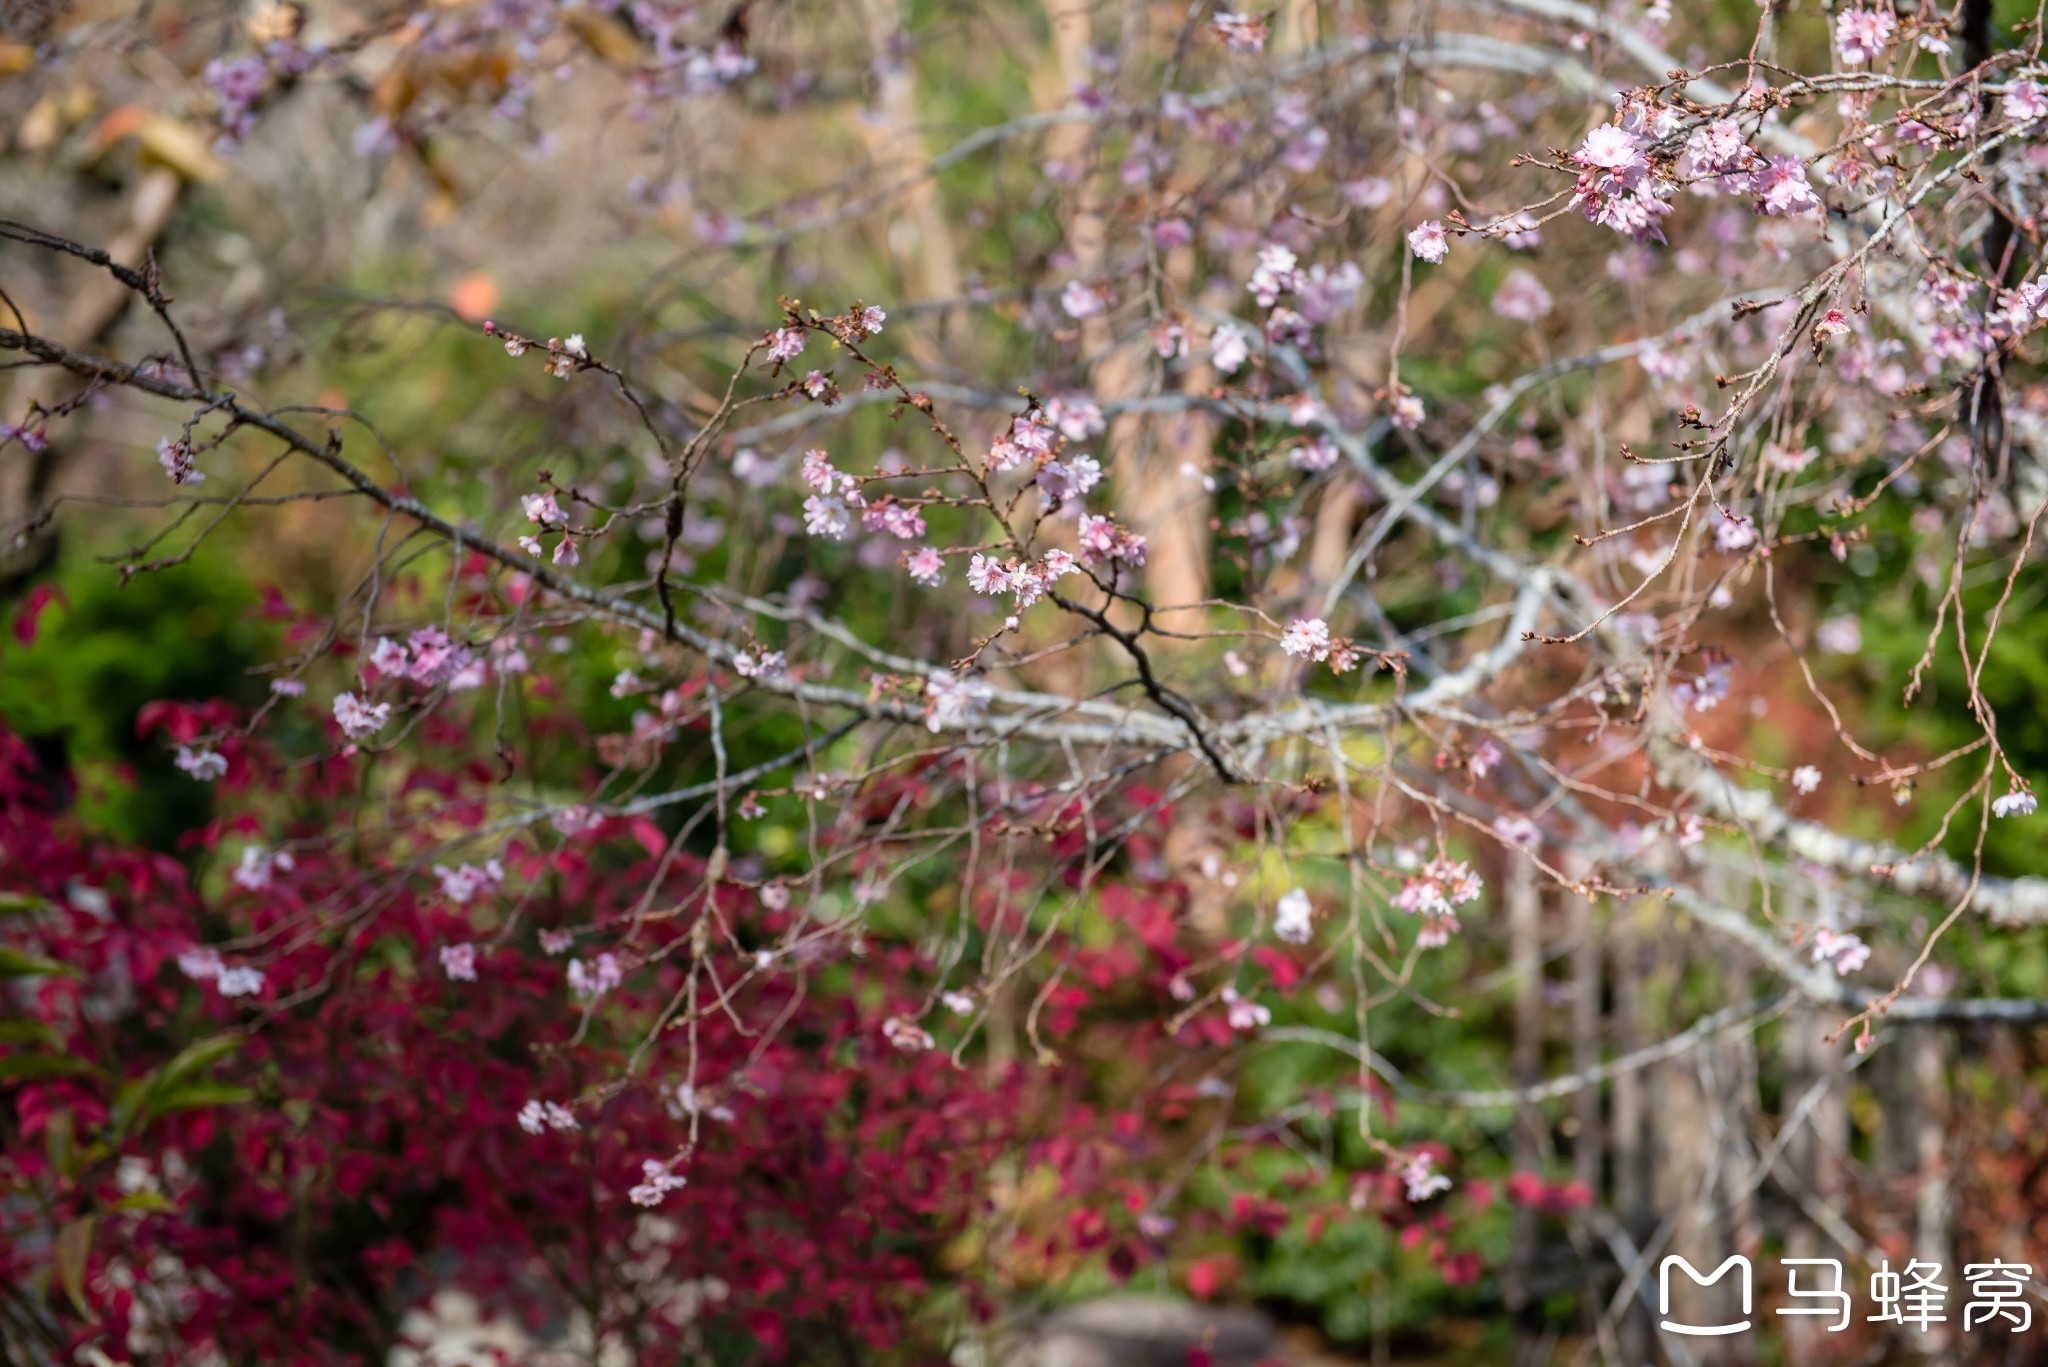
x: 127, y: 1106
x: 74, y: 1243
x: 175, y: 1086
x: 154, y: 1201
x: 31, y: 1067
x: 25, y: 1032
x: 196, y: 1058
x: 197, y: 1096
x: 20, y: 903
x: 15, y: 964
x: 57, y: 1137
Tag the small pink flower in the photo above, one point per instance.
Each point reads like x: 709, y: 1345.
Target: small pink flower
x: 359, y: 719
x: 1315, y: 455
x: 827, y: 516
x: 1839, y: 635
x: 1429, y: 241
x: 1519, y: 831
x: 1840, y: 951
x: 1307, y: 638
x: 899, y: 520
x: 1276, y: 273
x: 1420, y: 1178
x: 1293, y: 917
x: 459, y: 962
x: 1239, y: 32
x: 1228, y: 349
x: 1102, y: 540
x: 1718, y: 149
x: 2018, y: 802
x: 599, y: 978
x: 463, y: 883
x: 1611, y: 148
x: 906, y: 1034
x: 1077, y: 418
x: 1521, y: 298
x: 176, y: 458
x: 657, y: 1181
x: 1081, y: 302
x: 1861, y: 35
x: 202, y: 764
x: 2024, y: 102
x: 1244, y: 1014
x: 537, y: 1117
x: 1782, y: 188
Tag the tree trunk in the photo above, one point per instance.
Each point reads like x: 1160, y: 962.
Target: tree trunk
x: 1628, y: 1130
x: 1525, y: 957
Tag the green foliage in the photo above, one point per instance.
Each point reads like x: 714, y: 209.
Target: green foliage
x: 188, y: 633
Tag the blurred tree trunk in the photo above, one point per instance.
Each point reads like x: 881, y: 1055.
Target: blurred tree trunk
x: 1812, y: 1155
x: 1524, y: 907
x: 1735, y: 1072
x: 1586, y: 1039
x: 920, y: 241
x: 96, y: 303
x: 1170, y: 511
x: 1685, y: 1186
x: 1629, y: 1129
x: 1154, y: 498
x: 1927, y: 1066
x: 1692, y: 1152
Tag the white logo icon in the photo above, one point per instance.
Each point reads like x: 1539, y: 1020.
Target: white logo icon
x: 1664, y: 1294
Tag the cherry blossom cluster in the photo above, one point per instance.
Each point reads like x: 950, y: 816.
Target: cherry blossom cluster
x: 1432, y: 891
x: 1309, y: 638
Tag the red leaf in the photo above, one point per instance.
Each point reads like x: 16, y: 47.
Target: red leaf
x: 40, y: 597
x: 1211, y: 1275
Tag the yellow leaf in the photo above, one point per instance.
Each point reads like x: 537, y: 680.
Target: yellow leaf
x: 181, y: 147
x: 273, y: 23
x: 606, y: 36
x: 74, y: 1242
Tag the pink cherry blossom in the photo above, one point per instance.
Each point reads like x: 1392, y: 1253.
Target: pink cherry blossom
x: 1861, y: 35
x: 360, y: 719
x: 1420, y: 1180
x: 1083, y: 301
x: 459, y: 962
x: 2024, y: 102
x: 1228, y: 348
x: 1292, y: 917
x: 1843, y: 952
x: 1521, y: 297
x: 1428, y: 240
x: 1239, y: 32
x: 1782, y: 188
x: 1307, y: 637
